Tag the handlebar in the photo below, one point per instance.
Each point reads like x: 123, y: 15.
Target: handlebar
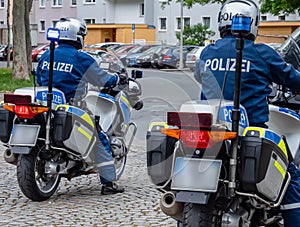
x: 284, y: 97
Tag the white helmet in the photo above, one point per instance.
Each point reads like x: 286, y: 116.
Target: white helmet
x: 238, y: 7
x: 72, y: 30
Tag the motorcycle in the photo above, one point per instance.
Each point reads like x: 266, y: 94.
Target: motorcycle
x: 48, y: 141
x: 215, y: 170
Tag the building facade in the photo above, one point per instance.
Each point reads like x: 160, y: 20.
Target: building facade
x: 130, y: 20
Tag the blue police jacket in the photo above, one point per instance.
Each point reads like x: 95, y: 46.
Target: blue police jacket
x: 261, y: 65
x: 72, y: 69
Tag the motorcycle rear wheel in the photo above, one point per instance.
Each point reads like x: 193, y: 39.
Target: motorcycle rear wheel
x: 196, y: 215
x: 33, y: 182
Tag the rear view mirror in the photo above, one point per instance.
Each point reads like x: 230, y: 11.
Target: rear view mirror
x: 136, y: 74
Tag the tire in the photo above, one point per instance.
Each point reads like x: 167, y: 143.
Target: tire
x: 33, y: 182
x: 196, y: 215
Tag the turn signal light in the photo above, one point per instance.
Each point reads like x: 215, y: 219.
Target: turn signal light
x: 26, y: 111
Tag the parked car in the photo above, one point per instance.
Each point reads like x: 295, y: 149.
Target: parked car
x: 123, y: 51
x: 192, y: 56
x: 155, y: 56
x: 96, y: 54
x: 4, y: 52
x: 37, y: 50
x: 106, y: 45
x: 170, y: 57
x: 134, y: 53
x: 39, y: 55
x: 144, y: 60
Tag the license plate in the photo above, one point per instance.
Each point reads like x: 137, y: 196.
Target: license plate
x: 24, y: 135
x: 193, y: 174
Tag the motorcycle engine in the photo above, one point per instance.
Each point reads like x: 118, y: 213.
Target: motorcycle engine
x: 118, y: 148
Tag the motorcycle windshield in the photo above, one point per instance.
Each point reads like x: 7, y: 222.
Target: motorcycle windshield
x: 290, y: 49
x: 111, y: 63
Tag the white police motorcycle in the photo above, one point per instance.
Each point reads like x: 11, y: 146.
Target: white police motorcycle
x: 215, y: 170
x: 47, y: 138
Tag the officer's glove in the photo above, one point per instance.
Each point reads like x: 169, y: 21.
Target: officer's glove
x: 123, y: 79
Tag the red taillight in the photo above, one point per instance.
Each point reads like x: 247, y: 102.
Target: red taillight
x: 166, y: 57
x: 197, y: 138
x: 26, y: 111
x: 193, y: 58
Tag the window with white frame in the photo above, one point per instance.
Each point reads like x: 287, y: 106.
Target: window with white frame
x: 186, y: 21
x: 206, y: 21
x: 73, y: 2
x: 281, y: 17
x: 1, y: 3
x: 163, y: 23
x: 54, y: 22
x: 56, y: 2
x: 42, y: 26
x: 42, y: 3
x: 142, y: 9
x: 264, y: 18
x: 89, y: 1
x: 90, y: 21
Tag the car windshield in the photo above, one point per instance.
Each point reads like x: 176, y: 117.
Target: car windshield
x: 151, y: 50
x: 193, y: 51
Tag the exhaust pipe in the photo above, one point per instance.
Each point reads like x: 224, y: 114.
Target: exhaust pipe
x: 10, y: 157
x: 52, y: 168
x: 170, y: 207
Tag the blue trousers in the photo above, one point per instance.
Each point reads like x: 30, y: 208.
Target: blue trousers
x: 105, y: 160
x: 291, y: 202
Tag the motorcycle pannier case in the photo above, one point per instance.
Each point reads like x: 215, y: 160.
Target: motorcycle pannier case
x: 159, y: 154
x: 74, y: 129
x: 263, y: 162
x: 6, y: 123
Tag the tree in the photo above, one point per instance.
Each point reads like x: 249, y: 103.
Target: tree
x: 195, y: 35
x: 8, y: 33
x: 280, y: 6
x: 274, y: 7
x: 21, y: 39
x: 190, y: 3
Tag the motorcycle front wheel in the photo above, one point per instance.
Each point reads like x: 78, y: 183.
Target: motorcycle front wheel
x: 33, y: 181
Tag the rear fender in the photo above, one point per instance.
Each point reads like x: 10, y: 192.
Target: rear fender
x: 21, y: 150
x: 192, y: 197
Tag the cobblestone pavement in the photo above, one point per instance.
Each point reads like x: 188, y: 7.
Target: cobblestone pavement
x: 79, y: 203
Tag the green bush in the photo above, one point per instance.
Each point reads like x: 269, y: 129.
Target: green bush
x: 9, y: 84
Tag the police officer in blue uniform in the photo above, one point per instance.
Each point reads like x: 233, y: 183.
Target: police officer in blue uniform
x: 71, y: 71
x: 261, y: 65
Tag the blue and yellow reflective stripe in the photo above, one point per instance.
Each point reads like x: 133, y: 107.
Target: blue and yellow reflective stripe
x: 85, y: 133
x: 282, y: 146
x: 257, y: 129
x: 80, y: 113
x: 126, y: 101
x: 160, y: 124
x: 88, y: 119
x: 280, y: 169
x: 270, y: 135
